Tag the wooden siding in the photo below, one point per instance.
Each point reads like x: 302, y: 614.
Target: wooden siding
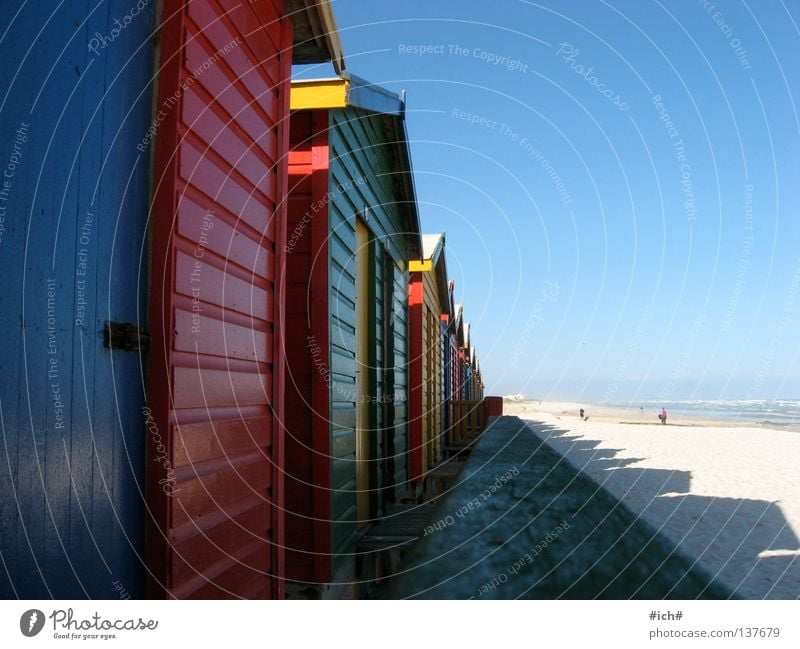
x: 432, y: 369
x: 219, y: 235
x: 416, y: 363
x: 73, y: 212
x: 426, y: 373
x: 361, y: 164
x: 337, y: 168
x: 453, y: 390
x: 308, y: 398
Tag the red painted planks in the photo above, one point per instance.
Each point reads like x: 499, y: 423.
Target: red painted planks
x: 204, y: 441
x: 202, y: 335
x: 224, y: 239
x: 308, y: 434
x: 223, y: 188
x: 195, y: 388
x: 244, y: 575
x: 205, y: 283
x: 217, y: 300
x: 211, y: 494
x: 255, y: 59
x: 218, y: 544
x: 415, y: 373
x: 218, y: 132
x: 220, y: 86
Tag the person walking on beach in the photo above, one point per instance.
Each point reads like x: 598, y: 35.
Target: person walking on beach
x: 663, y: 416
x: 582, y: 413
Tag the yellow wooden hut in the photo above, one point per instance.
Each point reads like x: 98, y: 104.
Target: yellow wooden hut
x: 428, y: 300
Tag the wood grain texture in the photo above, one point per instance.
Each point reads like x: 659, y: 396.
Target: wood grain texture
x: 216, y: 388
x: 308, y: 396
x: 72, y: 463
x: 357, y: 167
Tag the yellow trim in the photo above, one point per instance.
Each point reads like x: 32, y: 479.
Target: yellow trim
x: 420, y: 266
x: 325, y: 93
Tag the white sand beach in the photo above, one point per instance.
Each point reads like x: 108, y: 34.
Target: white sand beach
x: 729, y: 495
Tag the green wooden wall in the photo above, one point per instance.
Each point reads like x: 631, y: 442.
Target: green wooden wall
x: 361, y: 163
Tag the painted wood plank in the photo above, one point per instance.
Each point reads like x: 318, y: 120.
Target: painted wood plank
x: 71, y: 517
x: 219, y: 84
x: 211, y: 494
x: 203, y: 441
x: 215, y: 129
x: 200, y: 280
x: 259, y: 72
x: 213, y: 232
x: 195, y: 388
x: 222, y: 187
x: 200, y: 334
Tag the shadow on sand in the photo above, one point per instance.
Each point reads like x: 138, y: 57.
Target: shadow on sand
x: 748, y: 544
x: 549, y: 532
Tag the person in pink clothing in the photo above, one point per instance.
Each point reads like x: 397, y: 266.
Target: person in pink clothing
x: 663, y: 416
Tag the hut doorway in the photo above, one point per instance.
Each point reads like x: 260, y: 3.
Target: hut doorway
x: 363, y: 324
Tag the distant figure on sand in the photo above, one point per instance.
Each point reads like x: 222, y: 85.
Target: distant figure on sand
x: 641, y: 409
x: 663, y: 416
x: 581, y: 413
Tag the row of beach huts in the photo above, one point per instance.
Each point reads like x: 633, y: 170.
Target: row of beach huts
x: 229, y: 348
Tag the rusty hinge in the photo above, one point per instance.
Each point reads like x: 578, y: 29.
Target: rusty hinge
x: 125, y: 336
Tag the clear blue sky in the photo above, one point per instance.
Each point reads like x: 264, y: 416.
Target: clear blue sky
x: 599, y: 254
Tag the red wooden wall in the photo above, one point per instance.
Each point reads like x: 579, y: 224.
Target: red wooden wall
x: 307, y: 421
x: 214, y: 491
x: 494, y: 406
x: 416, y: 357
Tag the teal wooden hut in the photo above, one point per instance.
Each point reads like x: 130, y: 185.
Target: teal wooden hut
x: 353, y: 226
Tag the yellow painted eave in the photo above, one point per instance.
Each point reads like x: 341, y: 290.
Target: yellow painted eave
x: 321, y: 93
x: 420, y: 266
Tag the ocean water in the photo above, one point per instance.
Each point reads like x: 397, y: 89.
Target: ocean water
x: 779, y: 412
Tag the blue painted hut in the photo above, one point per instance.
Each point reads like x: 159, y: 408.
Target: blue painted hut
x: 83, y: 400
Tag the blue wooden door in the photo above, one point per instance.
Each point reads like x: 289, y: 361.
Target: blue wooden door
x: 74, y: 158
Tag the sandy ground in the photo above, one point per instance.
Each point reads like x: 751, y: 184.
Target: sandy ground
x: 728, y: 495
x: 521, y: 523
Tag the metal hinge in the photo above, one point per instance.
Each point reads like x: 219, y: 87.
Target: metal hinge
x: 125, y: 336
